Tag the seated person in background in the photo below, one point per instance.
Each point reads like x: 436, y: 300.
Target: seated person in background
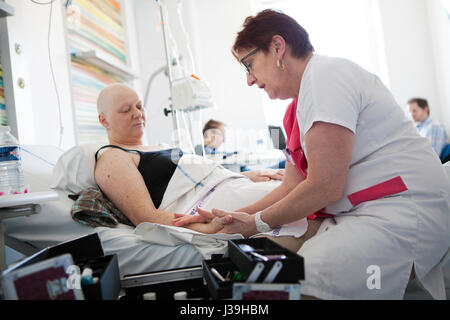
x: 135, y: 176
x: 213, y: 137
x: 435, y: 132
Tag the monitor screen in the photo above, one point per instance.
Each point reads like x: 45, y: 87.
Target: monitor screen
x: 277, y: 136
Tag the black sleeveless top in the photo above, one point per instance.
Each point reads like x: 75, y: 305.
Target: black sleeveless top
x: 156, y: 167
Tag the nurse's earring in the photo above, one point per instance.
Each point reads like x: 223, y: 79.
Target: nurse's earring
x: 280, y: 65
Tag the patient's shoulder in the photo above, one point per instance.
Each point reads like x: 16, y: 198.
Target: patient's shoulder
x: 113, y: 158
x: 113, y: 165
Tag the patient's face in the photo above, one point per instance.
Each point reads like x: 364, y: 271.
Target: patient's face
x: 126, y: 115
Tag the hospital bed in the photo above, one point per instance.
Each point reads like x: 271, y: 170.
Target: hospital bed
x: 54, y: 225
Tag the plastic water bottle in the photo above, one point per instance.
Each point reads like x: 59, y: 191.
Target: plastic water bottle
x: 11, y: 173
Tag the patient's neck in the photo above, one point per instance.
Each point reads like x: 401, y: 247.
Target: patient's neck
x: 126, y: 143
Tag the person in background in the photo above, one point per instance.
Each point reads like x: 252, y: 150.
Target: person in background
x: 213, y: 135
x: 432, y: 130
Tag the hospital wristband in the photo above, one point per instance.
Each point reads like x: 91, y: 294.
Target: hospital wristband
x: 261, y: 226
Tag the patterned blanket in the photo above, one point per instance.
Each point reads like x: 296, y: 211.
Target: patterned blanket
x: 93, y: 208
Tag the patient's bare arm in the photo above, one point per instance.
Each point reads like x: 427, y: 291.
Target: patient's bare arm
x: 264, y: 175
x: 118, y: 177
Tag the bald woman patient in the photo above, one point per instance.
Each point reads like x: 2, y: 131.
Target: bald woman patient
x: 134, y: 176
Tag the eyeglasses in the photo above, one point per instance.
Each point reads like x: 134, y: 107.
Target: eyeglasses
x: 213, y: 132
x: 243, y: 63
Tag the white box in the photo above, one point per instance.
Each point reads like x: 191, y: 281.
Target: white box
x: 190, y: 94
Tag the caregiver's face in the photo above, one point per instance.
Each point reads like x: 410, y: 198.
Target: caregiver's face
x: 262, y: 70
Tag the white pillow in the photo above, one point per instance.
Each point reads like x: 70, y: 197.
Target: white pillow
x: 74, y: 170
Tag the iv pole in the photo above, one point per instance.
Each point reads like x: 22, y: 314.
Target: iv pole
x: 175, y: 120
x: 170, y: 63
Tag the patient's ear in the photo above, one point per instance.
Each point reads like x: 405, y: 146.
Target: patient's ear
x: 102, y: 120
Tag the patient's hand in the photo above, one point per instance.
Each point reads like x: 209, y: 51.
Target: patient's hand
x: 218, y: 221
x: 215, y: 225
x: 239, y: 222
x: 182, y: 220
x: 264, y: 175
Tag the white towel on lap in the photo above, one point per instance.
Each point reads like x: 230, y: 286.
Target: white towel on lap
x: 207, y: 244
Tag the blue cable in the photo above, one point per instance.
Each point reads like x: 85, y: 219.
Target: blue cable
x: 190, y: 178
x: 40, y: 158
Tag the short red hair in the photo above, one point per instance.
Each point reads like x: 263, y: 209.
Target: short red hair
x: 258, y: 31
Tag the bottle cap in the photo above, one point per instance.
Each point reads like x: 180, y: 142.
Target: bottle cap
x: 149, y: 296
x: 5, y: 128
x: 87, y: 272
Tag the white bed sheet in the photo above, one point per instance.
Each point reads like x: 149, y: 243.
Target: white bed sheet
x: 54, y: 225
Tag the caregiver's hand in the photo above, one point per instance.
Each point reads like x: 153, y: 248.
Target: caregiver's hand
x: 216, y: 225
x: 241, y: 222
x: 203, y: 216
x: 264, y: 175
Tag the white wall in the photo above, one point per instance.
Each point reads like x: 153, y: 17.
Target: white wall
x: 211, y: 26
x: 415, y: 49
x: 216, y: 23
x: 151, y: 55
x: 440, y: 40
x: 131, y: 43
x: 350, y: 29
x: 29, y: 28
x: 239, y: 106
x: 15, y: 67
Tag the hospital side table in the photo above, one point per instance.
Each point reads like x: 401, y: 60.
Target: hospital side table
x: 18, y: 205
x: 256, y: 160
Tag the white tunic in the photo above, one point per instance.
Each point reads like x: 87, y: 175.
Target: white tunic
x: 395, y: 209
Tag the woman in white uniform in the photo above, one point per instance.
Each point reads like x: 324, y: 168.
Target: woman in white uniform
x: 366, y: 166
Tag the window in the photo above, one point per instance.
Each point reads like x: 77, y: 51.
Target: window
x: 349, y: 29
x: 446, y: 4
